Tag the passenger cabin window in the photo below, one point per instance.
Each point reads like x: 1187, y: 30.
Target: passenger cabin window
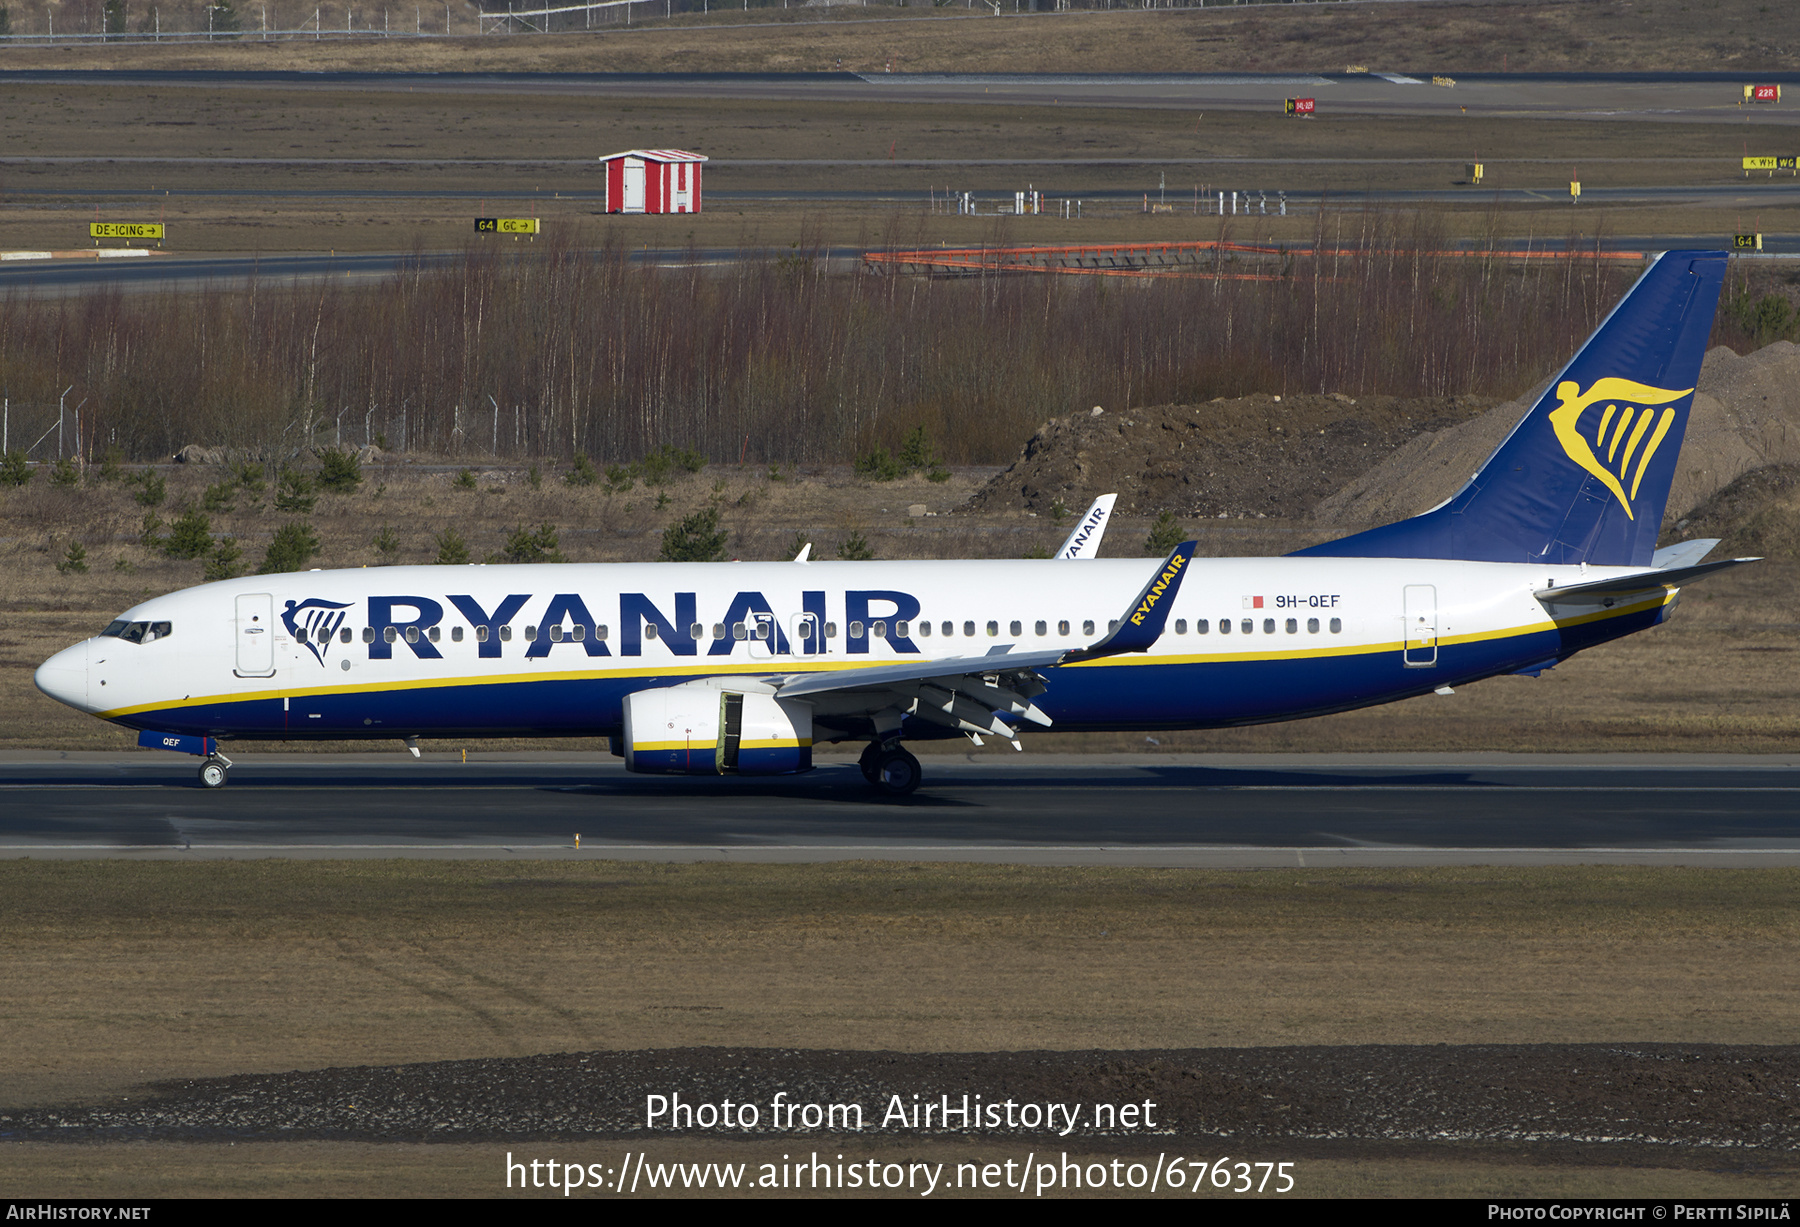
x: 531, y: 634
x: 434, y: 634
x: 856, y: 630
x: 1337, y: 625
x: 481, y: 634
x: 1293, y: 626
x: 1087, y: 628
x: 831, y: 630
x: 1312, y: 626
x: 390, y: 634
x: 1062, y: 628
x: 506, y: 634
x: 696, y: 631
x: 1201, y: 626
x: 900, y: 629
x: 993, y: 629
x: 344, y: 635
x: 925, y: 628
x: 1247, y: 626
x: 718, y: 630
x: 1181, y: 626
x: 369, y: 634
x: 1042, y: 628
x: 456, y: 634
x: 1015, y: 629
x: 968, y: 630
x: 1268, y: 626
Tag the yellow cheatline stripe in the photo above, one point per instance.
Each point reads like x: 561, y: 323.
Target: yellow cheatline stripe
x: 698, y: 747
x: 775, y: 743
x: 1136, y: 660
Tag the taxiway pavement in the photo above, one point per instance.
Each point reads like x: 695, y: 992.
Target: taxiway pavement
x: 1199, y: 810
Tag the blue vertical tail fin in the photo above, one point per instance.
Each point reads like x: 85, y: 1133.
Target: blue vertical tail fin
x: 1584, y: 477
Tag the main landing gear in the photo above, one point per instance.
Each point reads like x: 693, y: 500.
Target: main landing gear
x: 890, y: 770
x: 212, y: 771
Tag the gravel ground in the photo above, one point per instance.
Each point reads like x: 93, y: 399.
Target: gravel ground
x: 1710, y: 1096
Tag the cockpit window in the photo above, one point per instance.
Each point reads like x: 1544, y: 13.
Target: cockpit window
x: 137, y: 632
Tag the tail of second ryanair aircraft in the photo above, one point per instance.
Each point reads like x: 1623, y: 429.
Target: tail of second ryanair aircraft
x: 1585, y: 476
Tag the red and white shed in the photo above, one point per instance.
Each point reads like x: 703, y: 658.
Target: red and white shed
x: 653, y: 181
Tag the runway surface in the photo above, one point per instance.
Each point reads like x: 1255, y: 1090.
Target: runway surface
x: 1199, y: 810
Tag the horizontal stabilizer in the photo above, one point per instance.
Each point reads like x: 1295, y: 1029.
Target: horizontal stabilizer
x: 1685, y: 554
x: 1643, y: 581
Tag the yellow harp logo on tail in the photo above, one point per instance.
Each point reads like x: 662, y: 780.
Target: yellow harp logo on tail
x: 1618, y: 435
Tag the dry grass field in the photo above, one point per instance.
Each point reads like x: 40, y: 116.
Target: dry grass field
x: 413, y: 184
x: 122, y: 974
x: 1466, y: 36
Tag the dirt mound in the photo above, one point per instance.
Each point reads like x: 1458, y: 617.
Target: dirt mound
x: 1256, y: 455
x: 1718, y: 1097
x: 1746, y: 415
x: 1758, y: 515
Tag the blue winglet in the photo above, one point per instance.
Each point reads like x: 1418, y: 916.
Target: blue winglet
x: 1143, y: 624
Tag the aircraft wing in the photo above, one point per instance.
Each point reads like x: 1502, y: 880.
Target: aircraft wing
x: 1643, y: 581
x: 970, y: 693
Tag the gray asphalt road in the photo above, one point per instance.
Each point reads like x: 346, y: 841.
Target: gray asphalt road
x: 992, y: 806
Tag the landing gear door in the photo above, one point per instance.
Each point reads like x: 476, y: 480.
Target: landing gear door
x: 255, y: 629
x: 1421, y: 643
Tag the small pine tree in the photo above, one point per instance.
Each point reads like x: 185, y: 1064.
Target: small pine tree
x: 112, y: 464
x: 464, y: 480
x: 190, y: 536
x: 878, y: 464
x: 339, y: 472
x: 698, y: 538
x: 387, y: 544
x: 583, y: 474
x: 64, y: 474
x: 295, y: 545
x: 225, y: 561
x: 115, y: 16
x: 295, y: 494
x: 15, y: 469
x: 74, y: 560
x: 151, y: 488
x: 526, y: 545
x: 220, y: 497
x: 453, y: 551
x: 855, y: 548
x: 1164, y: 536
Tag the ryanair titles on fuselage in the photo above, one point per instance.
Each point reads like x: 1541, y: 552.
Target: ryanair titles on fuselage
x: 406, y: 621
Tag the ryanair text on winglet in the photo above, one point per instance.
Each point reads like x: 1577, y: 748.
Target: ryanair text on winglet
x: 1156, y: 590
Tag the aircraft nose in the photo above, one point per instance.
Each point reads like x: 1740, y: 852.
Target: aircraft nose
x: 64, y: 677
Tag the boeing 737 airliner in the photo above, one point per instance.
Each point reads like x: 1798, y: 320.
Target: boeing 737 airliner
x: 707, y: 668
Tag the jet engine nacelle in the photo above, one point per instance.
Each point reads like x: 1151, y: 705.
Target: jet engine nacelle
x: 698, y: 729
